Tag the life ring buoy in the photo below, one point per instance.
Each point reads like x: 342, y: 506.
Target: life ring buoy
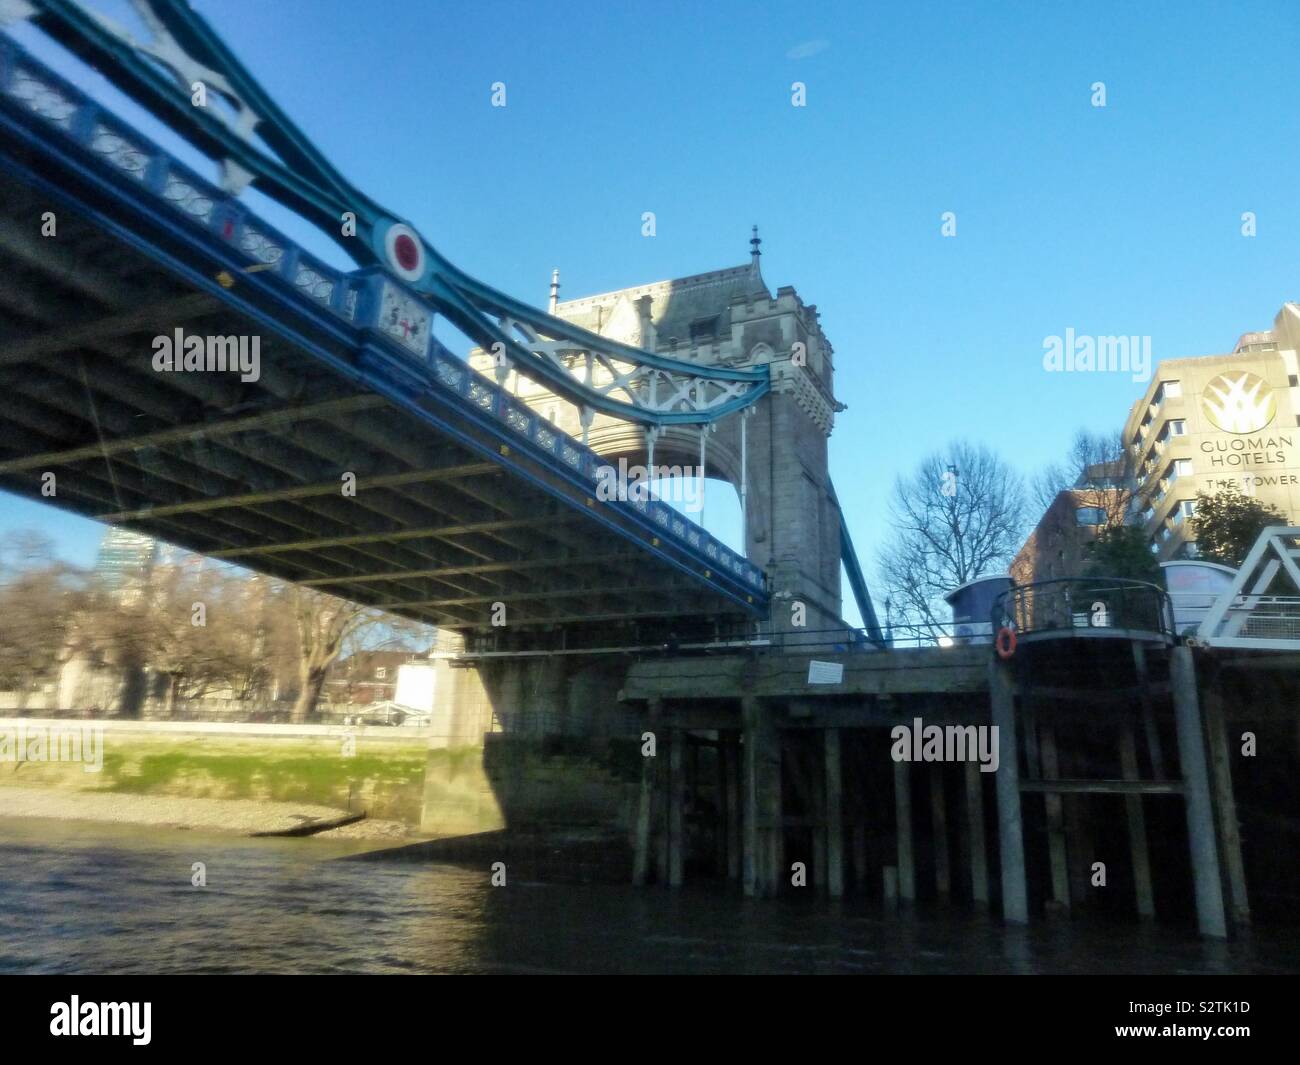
x: 1005, y: 644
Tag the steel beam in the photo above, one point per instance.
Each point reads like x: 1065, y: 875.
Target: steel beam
x: 47, y: 342
x: 193, y: 432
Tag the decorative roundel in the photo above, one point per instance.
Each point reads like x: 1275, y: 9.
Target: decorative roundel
x: 405, y: 252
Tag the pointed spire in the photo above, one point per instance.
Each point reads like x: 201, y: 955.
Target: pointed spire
x: 756, y: 282
x: 555, y: 290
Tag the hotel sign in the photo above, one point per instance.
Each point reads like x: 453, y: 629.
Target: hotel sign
x: 1241, y: 404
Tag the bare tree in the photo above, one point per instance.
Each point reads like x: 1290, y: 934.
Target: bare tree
x: 958, y: 517
x: 205, y: 631
x: 1097, y: 468
x: 328, y: 626
x: 39, y: 598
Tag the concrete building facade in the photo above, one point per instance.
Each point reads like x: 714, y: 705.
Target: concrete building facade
x: 1210, y: 421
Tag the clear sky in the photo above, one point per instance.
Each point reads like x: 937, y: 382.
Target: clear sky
x: 1117, y: 220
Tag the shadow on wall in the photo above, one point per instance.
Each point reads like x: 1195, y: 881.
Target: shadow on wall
x: 555, y: 755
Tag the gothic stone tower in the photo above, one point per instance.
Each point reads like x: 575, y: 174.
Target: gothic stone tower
x: 730, y: 318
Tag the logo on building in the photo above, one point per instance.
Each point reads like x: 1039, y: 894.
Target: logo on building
x: 1239, y: 402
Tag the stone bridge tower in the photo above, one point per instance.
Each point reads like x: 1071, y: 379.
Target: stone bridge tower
x: 774, y: 453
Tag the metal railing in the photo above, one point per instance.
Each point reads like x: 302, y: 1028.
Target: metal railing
x: 1088, y: 606
x: 834, y: 641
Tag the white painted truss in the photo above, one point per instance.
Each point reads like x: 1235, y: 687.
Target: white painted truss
x: 1251, y: 615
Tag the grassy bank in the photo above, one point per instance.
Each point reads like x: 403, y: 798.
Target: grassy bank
x: 385, y: 779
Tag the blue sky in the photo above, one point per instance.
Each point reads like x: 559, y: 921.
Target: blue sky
x: 1117, y: 220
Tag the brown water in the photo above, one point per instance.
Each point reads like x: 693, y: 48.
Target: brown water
x: 91, y: 898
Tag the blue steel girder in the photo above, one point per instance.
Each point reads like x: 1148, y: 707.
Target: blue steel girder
x: 56, y: 140
x: 162, y: 76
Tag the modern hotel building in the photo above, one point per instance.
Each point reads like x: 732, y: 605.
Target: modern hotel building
x: 1218, y: 419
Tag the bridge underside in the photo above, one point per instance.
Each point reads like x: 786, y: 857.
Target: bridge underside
x: 446, y: 520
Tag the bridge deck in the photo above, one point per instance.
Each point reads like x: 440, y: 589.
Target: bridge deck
x: 462, y: 498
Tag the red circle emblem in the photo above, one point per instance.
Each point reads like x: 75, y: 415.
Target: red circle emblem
x: 405, y: 252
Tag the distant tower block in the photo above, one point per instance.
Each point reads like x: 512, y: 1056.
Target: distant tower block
x: 730, y: 318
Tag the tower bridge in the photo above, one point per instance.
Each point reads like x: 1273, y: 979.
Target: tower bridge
x: 774, y: 453
x: 476, y: 487
x: 471, y: 506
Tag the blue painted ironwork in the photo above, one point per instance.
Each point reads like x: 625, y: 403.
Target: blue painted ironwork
x: 162, y: 75
x: 344, y: 320
x: 857, y: 581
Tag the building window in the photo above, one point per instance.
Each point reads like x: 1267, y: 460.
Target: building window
x: 1089, y: 516
x: 1293, y: 380
x: 1168, y: 390
x: 1177, y: 468
x: 381, y: 673
x: 1173, y: 428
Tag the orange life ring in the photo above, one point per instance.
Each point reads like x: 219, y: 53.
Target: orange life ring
x: 1008, y: 648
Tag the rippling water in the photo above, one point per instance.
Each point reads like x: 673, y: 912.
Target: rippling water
x: 108, y: 899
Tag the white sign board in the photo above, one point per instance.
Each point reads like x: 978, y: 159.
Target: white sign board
x: 415, y: 686
x: 825, y: 672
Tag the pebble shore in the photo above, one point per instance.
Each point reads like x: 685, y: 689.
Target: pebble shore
x: 236, y: 816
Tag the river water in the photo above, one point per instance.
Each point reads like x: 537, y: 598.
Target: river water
x: 95, y: 898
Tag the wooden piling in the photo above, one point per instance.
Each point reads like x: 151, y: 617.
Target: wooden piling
x: 722, y: 789
x: 1078, y: 837
x: 1225, y: 806
x: 858, y: 852
x: 1137, y: 826
x: 645, y: 809
x: 820, y: 833
x: 1148, y: 710
x: 1196, y: 791
x: 834, y: 791
x: 903, y: 821
x: 939, y: 823
x: 676, y: 808
x: 735, y: 826
x: 889, y: 886
x: 1055, y: 818
x: 979, y: 866
x: 660, y: 815
x: 1011, y: 843
x: 763, y: 827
